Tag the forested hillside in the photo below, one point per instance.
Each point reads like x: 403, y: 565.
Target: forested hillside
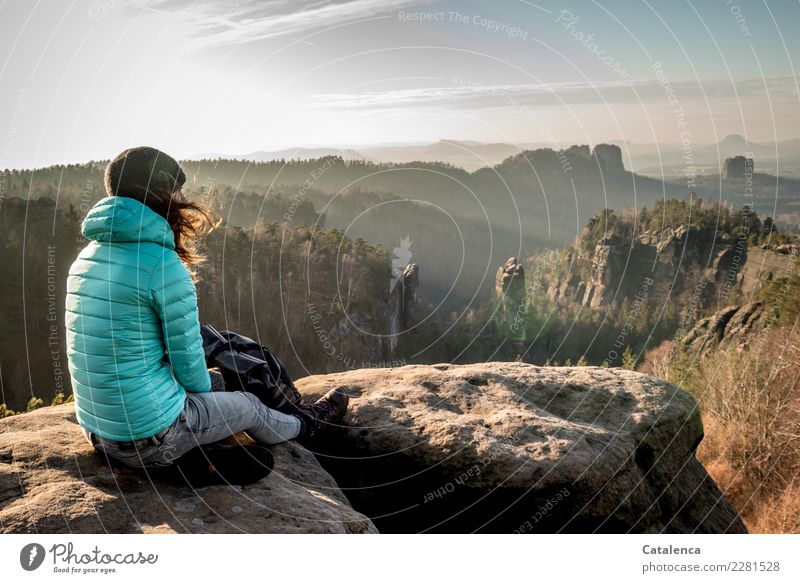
x: 331, y: 234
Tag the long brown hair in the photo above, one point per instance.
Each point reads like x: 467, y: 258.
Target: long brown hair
x: 189, y: 221
x: 155, y: 179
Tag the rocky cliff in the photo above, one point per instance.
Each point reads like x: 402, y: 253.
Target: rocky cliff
x: 736, y: 325
x: 765, y: 264
x: 511, y: 447
x: 737, y: 168
x: 509, y: 292
x: 52, y: 481
x: 495, y: 447
x: 732, y: 326
x: 618, y: 268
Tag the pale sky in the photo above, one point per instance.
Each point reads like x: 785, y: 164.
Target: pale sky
x: 84, y: 79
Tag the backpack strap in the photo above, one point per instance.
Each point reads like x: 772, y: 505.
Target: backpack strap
x: 213, y: 342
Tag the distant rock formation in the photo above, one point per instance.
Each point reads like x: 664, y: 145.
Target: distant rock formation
x: 52, y: 481
x: 511, y: 447
x: 737, y: 168
x: 510, y: 292
x: 401, y: 301
x: 653, y: 260
x: 582, y: 151
x: 609, y: 158
x: 409, y: 285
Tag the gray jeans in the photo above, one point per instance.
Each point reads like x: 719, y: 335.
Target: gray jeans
x: 206, y: 418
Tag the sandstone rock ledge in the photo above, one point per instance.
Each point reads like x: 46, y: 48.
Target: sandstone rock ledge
x: 511, y: 447
x: 494, y: 447
x: 51, y: 481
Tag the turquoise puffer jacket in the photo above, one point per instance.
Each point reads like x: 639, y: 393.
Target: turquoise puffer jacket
x: 133, y: 335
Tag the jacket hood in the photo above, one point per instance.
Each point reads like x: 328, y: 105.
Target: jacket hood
x: 121, y: 219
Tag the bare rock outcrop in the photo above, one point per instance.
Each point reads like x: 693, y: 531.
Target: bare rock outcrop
x: 658, y: 262
x: 511, y: 447
x: 402, y: 297
x: 52, y: 481
x: 510, y: 293
x: 764, y: 264
x: 491, y: 447
x: 737, y: 168
x: 731, y: 326
x: 609, y: 158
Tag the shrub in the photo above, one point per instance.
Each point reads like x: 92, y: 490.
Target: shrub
x: 750, y: 403
x: 629, y: 359
x: 60, y: 399
x: 6, y: 412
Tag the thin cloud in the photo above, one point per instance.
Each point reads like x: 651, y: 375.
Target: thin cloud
x: 464, y: 94
x: 212, y: 24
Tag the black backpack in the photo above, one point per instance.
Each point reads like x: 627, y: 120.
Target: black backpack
x: 248, y: 366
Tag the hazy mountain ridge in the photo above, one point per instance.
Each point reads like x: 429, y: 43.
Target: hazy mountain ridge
x: 473, y: 155
x: 463, y: 223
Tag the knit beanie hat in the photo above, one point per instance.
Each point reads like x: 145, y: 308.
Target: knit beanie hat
x: 146, y: 174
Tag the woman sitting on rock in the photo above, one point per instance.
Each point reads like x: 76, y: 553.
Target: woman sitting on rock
x: 142, y: 390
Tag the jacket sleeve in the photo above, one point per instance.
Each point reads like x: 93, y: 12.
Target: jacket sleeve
x: 174, y: 299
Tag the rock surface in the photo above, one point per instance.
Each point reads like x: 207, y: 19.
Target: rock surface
x: 658, y: 262
x: 494, y: 447
x: 402, y: 297
x: 511, y: 447
x: 766, y: 265
x: 609, y: 158
x: 52, y: 481
x: 737, y: 168
x: 510, y: 293
x: 731, y: 326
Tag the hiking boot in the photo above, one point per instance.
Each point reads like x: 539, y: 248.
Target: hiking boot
x: 327, y: 410
x: 224, y: 463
